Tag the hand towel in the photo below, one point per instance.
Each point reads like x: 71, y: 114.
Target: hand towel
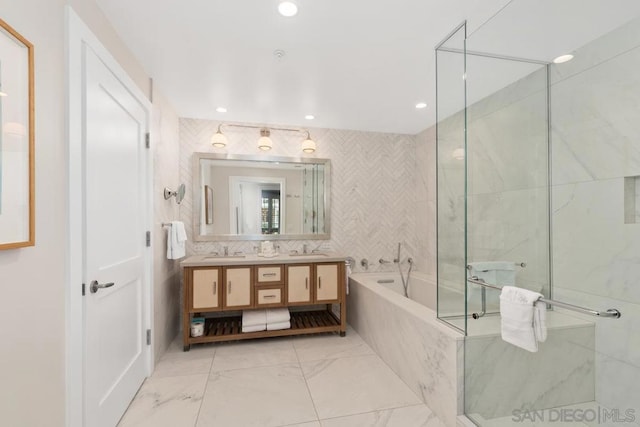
x: 254, y: 328
x: 254, y: 317
x: 278, y: 325
x: 176, y: 239
x: 277, y: 315
x: 517, y: 317
x: 540, y: 321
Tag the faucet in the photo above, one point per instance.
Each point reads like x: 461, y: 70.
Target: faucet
x: 397, y: 258
x: 384, y: 261
x: 226, y: 250
x: 305, y: 248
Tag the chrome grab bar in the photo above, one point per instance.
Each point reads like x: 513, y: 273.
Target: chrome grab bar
x: 612, y: 312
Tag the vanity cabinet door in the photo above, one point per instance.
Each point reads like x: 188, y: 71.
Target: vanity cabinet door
x: 327, y: 282
x: 238, y: 287
x: 206, y: 289
x: 299, y: 284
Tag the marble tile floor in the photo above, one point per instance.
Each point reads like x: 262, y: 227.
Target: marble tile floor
x: 307, y: 381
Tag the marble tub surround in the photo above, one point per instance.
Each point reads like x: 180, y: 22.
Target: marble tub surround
x: 424, y: 352
x: 312, y: 381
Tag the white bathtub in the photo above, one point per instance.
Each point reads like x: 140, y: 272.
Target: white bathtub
x: 422, y: 288
x: 423, y: 351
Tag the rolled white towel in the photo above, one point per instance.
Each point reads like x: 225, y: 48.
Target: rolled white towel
x: 277, y: 315
x: 278, y: 325
x: 254, y: 317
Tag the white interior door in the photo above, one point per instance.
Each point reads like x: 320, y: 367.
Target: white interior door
x: 115, y: 249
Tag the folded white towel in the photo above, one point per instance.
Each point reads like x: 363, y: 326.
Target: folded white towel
x: 277, y: 315
x: 254, y: 317
x: 254, y: 328
x: 176, y: 239
x: 278, y: 325
x: 517, y: 317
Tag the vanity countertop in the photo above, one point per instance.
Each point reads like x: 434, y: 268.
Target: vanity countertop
x: 251, y: 259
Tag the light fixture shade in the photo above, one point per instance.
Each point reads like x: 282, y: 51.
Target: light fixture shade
x: 308, y: 145
x: 264, y: 143
x: 218, y: 140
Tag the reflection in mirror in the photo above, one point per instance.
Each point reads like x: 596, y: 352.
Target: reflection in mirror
x: 253, y: 198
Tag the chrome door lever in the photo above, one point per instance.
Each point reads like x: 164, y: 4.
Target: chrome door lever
x: 94, y: 286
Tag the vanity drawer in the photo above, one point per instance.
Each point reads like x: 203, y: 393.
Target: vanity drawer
x: 270, y: 274
x: 269, y: 296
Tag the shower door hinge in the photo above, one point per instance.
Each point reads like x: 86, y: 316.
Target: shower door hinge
x: 148, y: 336
x: 148, y: 239
x: 147, y: 140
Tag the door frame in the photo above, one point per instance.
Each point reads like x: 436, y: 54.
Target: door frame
x: 79, y: 35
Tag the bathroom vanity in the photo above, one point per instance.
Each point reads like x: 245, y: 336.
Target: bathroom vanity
x: 312, y: 286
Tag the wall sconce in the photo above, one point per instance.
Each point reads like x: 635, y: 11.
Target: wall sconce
x: 218, y: 140
x: 264, y: 142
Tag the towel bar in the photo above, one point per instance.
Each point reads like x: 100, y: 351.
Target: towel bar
x: 518, y: 264
x: 612, y: 312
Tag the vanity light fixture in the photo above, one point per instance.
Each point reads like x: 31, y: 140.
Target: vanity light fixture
x: 265, y: 143
x: 421, y: 105
x: 3, y: 94
x: 288, y: 8
x: 218, y: 140
x: 308, y: 145
x: 221, y: 110
x: 563, y: 58
x: 309, y: 117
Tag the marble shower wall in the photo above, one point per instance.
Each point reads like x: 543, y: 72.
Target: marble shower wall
x: 373, y: 188
x: 595, y: 103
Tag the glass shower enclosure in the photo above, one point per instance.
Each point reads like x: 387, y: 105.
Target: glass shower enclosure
x: 538, y: 169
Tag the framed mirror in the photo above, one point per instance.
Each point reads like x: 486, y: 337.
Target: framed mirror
x: 240, y: 197
x: 17, y: 185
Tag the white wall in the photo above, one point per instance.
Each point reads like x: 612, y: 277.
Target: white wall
x: 33, y: 280
x: 166, y: 273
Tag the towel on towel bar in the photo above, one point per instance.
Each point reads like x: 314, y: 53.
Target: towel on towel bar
x: 278, y: 315
x: 176, y: 240
x: 278, y: 325
x: 520, y: 319
x: 254, y: 318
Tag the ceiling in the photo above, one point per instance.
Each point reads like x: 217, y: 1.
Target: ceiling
x: 353, y: 64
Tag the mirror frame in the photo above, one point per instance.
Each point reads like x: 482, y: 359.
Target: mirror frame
x: 29, y: 105
x: 197, y: 199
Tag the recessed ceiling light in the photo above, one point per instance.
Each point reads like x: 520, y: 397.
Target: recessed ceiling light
x: 421, y: 105
x: 563, y: 58
x: 221, y: 110
x: 287, y: 8
x: 309, y: 117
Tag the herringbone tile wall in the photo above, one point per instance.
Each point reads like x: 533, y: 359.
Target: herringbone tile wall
x: 373, y: 188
